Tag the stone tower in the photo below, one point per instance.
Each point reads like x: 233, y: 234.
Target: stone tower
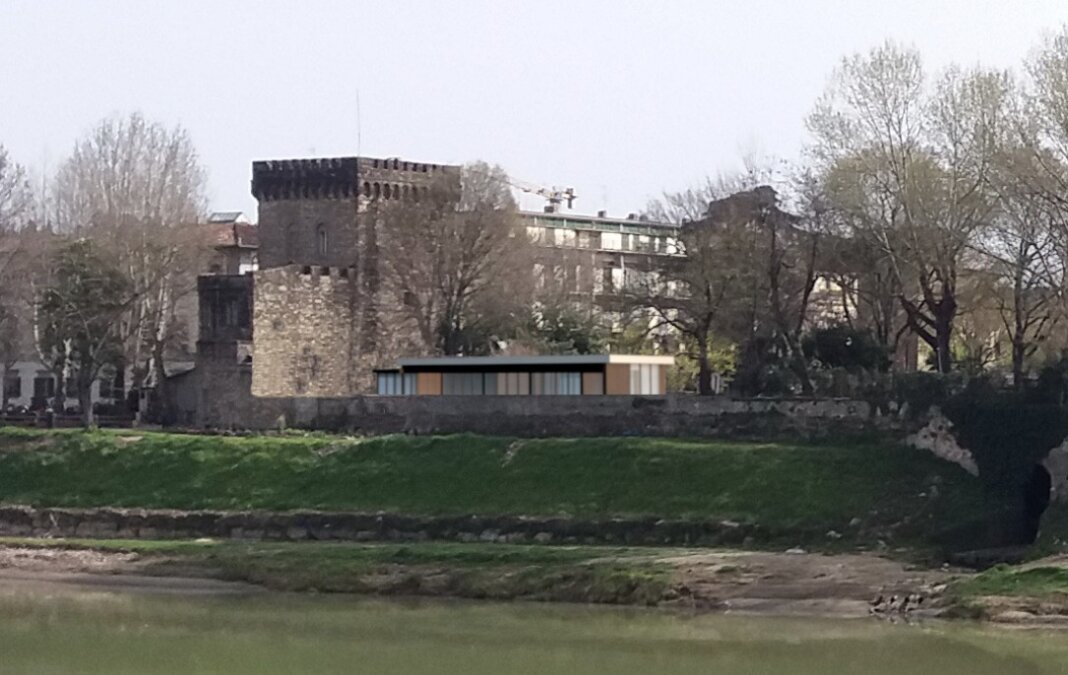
x: 319, y: 318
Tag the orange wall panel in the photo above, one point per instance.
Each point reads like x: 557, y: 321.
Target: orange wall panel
x: 617, y: 379
x: 428, y: 384
x: 593, y: 384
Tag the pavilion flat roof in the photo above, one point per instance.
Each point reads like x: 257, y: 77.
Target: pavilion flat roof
x: 533, y: 361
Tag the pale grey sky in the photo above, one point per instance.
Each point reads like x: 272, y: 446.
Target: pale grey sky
x: 620, y: 99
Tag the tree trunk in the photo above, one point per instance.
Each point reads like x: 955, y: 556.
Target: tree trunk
x: 1019, y: 351
x: 798, y: 365
x: 704, y: 370
x: 943, y: 348
x: 59, y: 395
x: 85, y: 403
x: 162, y: 399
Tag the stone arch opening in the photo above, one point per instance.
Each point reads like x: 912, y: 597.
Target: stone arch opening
x: 1037, y: 494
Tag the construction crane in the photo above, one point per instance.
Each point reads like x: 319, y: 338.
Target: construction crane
x: 554, y: 195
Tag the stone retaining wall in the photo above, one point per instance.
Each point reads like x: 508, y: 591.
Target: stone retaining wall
x: 539, y: 416
x: 107, y: 523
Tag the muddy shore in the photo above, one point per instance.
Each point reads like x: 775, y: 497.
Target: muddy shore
x: 732, y: 582
x: 724, y: 581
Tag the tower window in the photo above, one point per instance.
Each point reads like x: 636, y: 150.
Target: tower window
x: 322, y: 240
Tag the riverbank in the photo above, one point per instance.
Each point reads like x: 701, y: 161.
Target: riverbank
x: 467, y: 516
x: 762, y: 583
x: 747, y: 582
x: 827, y: 496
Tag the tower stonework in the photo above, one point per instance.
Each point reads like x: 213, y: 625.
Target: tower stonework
x: 321, y: 320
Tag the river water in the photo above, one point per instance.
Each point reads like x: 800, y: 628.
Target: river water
x: 60, y: 630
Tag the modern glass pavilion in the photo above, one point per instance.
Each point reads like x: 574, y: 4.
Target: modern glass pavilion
x: 590, y: 375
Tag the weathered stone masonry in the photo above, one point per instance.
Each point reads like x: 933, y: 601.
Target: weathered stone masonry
x: 321, y: 321
x: 586, y: 416
x: 23, y: 521
x: 304, y: 333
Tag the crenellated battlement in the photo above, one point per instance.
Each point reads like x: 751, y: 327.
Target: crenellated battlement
x: 339, y: 177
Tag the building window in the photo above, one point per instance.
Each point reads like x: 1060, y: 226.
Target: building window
x: 513, y: 384
x: 322, y: 241
x: 113, y: 385
x: 612, y: 241
x: 44, y: 386
x: 645, y: 380
x: 556, y: 384
x: 12, y: 385
x: 249, y: 264
x: 396, y: 384
x: 462, y: 384
x: 539, y: 276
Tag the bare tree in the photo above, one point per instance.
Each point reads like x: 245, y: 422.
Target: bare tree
x: 1023, y: 273
x: 458, y: 260
x: 906, y: 165
x: 710, y: 292
x: 1047, y: 109
x: 16, y: 205
x: 138, y: 190
x: 795, y: 252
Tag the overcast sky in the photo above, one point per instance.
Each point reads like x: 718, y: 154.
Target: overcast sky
x: 620, y: 99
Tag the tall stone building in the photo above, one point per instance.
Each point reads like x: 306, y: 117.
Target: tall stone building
x: 317, y: 319
x: 320, y: 318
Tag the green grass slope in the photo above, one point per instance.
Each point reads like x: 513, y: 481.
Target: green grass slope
x: 883, y: 489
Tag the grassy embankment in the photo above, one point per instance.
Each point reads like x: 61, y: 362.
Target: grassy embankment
x: 1038, y: 589
x: 797, y: 493
x: 499, y: 572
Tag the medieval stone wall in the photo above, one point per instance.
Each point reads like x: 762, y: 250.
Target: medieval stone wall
x: 321, y: 318
x: 302, y: 200
x: 583, y: 416
x: 290, y: 231
x: 303, y: 322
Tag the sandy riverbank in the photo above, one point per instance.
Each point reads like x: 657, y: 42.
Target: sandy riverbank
x: 733, y: 582
x: 719, y: 581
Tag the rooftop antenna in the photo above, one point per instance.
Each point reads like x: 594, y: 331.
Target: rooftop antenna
x: 359, y: 134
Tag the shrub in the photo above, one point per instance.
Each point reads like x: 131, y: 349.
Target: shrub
x: 847, y: 348
x: 1007, y: 432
